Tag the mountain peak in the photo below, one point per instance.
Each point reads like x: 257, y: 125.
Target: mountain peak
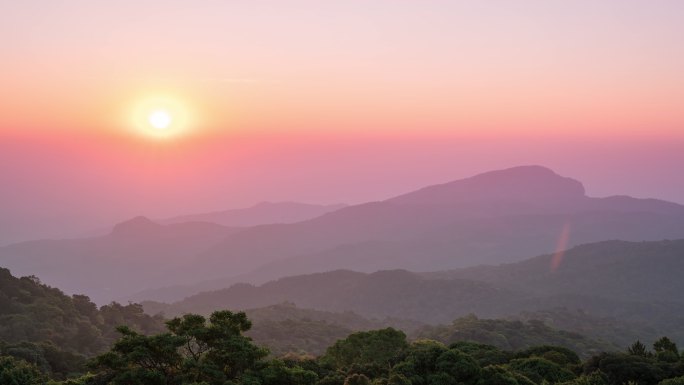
x: 521, y: 171
x: 534, y: 184
x: 137, y: 225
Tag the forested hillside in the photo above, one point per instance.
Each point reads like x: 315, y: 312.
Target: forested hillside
x: 618, y: 331
x: 618, y: 298
x: 396, y: 293
x: 215, y: 350
x: 33, y: 312
x: 632, y: 286
x: 286, y: 328
x: 512, y: 335
x: 56, y: 333
x: 619, y: 270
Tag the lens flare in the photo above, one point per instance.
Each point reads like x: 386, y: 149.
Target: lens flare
x: 561, y: 246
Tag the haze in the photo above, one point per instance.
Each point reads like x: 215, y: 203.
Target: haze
x: 350, y: 192
x: 365, y: 100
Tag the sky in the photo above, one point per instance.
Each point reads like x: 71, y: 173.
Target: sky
x: 325, y: 102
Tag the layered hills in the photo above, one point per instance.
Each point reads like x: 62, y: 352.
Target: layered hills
x: 616, y: 285
x: 493, y: 218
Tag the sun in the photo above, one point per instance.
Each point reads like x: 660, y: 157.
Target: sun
x: 160, y: 119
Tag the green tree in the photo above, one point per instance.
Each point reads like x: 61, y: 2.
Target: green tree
x: 596, y: 378
x: 431, y: 363
x: 375, y: 347
x: 621, y: 368
x: 18, y: 372
x: 485, y: 355
x: 357, y: 379
x: 218, y: 348
x: 276, y: 372
x: 540, y: 369
x: 558, y: 354
x: 420, y: 361
x: 332, y: 379
x: 501, y: 375
x: 137, y: 359
x: 458, y: 366
x: 48, y: 358
x: 638, y: 349
x: 398, y: 379
x: 86, y: 379
x: 193, y: 351
x: 666, y: 350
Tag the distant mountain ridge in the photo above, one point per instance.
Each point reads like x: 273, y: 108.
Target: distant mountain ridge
x: 620, y: 270
x: 133, y: 253
x: 635, y: 283
x: 496, y: 217
x: 457, y: 224
x: 531, y: 184
x: 375, y: 295
x: 259, y: 214
x: 139, y: 249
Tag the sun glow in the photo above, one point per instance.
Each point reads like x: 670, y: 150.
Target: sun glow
x: 161, y: 117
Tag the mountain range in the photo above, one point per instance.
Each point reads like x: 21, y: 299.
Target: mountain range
x: 635, y: 285
x: 259, y: 214
x: 493, y: 218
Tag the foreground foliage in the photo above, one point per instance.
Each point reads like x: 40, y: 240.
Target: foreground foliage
x: 511, y: 335
x: 47, y: 337
x: 33, y: 312
x: 215, y: 351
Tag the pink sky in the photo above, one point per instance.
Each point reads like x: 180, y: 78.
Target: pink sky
x: 328, y: 101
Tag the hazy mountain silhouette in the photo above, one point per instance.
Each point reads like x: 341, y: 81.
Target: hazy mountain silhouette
x: 496, y: 217
x: 527, y: 184
x: 259, y: 214
x: 390, y: 293
x: 636, y: 283
x: 132, y: 255
x: 637, y: 271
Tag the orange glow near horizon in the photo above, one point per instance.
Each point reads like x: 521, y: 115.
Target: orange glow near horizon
x: 145, y: 107
x: 388, y: 108
x: 422, y: 67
